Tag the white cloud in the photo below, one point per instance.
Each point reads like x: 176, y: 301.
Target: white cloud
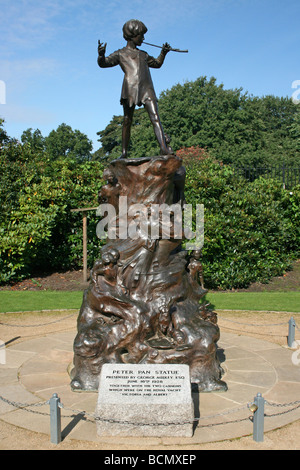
x: 2, y: 92
x: 26, y: 23
x: 30, y: 24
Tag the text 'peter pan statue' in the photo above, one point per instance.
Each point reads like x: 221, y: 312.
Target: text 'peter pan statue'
x: 137, y: 87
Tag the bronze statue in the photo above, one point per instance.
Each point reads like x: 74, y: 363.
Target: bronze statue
x: 137, y: 89
x: 142, y: 305
x: 143, y: 302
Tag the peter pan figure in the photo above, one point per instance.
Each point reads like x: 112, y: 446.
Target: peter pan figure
x: 137, y: 89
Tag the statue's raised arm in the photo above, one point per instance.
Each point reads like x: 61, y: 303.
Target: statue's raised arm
x: 101, y: 48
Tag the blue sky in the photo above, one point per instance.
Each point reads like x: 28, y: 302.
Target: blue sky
x: 48, y: 54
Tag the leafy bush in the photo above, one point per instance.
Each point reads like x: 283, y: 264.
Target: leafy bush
x: 251, y: 229
x: 38, y: 231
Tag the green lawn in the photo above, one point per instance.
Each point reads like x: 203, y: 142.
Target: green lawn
x: 21, y: 301
x: 15, y: 301
x: 276, y: 301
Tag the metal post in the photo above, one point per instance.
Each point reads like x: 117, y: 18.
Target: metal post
x: 283, y: 175
x: 55, y: 419
x: 84, y: 238
x: 84, y: 229
x: 258, y: 418
x: 291, y: 336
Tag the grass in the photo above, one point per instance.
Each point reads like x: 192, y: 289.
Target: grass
x: 270, y: 301
x: 20, y: 301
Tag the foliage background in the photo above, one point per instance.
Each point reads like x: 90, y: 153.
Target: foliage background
x: 252, y: 229
x: 237, y: 128
x: 38, y: 231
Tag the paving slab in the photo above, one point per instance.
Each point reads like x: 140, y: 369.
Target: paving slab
x: 37, y: 368
x: 15, y: 393
x: 15, y: 358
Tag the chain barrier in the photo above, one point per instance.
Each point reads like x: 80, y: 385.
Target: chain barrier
x: 38, y: 324
x: 295, y: 405
x: 98, y: 418
x: 220, y: 316
x: 92, y: 417
x: 252, y: 324
x: 258, y: 325
x: 25, y: 406
x: 297, y: 402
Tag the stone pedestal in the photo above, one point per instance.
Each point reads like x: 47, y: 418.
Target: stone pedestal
x: 145, y: 400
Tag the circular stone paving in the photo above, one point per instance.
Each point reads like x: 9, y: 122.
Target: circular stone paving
x: 37, y: 368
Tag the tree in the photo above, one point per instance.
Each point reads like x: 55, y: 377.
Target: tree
x: 294, y: 129
x: 142, y: 142
x: 111, y: 139
x: 3, y: 136
x: 37, y: 228
x: 236, y: 127
x: 38, y: 231
x: 251, y: 229
x: 66, y: 143
x: 34, y: 139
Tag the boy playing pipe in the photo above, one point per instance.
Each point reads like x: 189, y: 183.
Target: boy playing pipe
x: 137, y: 89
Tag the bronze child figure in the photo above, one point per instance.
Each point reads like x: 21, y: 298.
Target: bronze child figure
x: 137, y: 89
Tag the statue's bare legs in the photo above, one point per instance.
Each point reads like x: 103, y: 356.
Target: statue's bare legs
x: 152, y: 109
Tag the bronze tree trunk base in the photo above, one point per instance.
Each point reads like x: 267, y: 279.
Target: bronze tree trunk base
x: 142, y: 305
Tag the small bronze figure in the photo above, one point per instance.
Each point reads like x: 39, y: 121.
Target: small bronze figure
x: 109, y: 193
x: 195, y: 268
x: 137, y: 87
